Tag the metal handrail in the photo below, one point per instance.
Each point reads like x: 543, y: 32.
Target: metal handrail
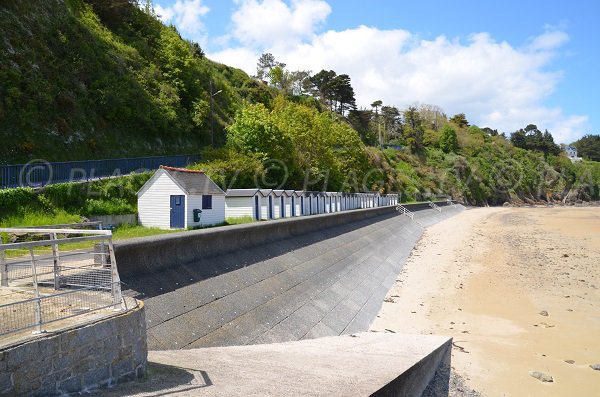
x: 98, y: 283
x: 435, y: 206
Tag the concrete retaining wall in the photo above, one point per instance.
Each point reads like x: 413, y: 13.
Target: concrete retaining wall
x: 129, y: 219
x: 154, y: 253
x: 94, y: 355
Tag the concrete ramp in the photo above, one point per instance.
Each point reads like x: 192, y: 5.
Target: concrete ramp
x: 325, y: 282
x: 366, y: 364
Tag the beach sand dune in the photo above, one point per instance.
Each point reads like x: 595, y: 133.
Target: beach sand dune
x: 519, y: 291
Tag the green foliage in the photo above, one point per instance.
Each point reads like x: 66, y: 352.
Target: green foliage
x: 105, y: 79
x: 230, y: 169
x: 531, y: 138
x: 114, y: 196
x: 448, y: 139
x: 588, y: 147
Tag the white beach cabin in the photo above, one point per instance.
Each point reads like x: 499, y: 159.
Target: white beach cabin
x: 293, y: 207
x: 281, y: 204
x: 177, y: 198
x: 246, y: 202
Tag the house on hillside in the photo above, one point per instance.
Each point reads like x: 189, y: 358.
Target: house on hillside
x: 248, y: 202
x: 178, y: 198
x: 571, y: 152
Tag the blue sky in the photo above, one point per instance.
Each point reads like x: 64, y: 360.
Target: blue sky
x: 504, y: 64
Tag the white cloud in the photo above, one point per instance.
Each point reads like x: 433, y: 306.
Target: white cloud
x: 494, y: 83
x: 274, y: 23
x: 187, y: 16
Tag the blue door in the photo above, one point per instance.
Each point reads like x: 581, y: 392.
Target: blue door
x: 177, y: 212
x: 270, y: 207
x: 282, y: 207
x: 256, y: 208
x: 301, y: 205
x: 293, y: 206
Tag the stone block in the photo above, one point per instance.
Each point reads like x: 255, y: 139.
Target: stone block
x: 119, y: 368
x: 5, y: 383
x: 96, y: 376
x: 71, y: 385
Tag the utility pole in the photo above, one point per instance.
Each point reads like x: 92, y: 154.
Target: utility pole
x: 212, y: 117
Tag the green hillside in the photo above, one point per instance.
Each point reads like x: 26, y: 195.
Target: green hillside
x: 76, y: 85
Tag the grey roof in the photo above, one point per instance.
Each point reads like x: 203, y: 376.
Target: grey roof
x: 280, y: 192
x: 266, y: 192
x: 241, y: 192
x: 293, y: 193
x: 193, y: 182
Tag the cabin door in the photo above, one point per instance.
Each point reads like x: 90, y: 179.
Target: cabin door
x: 177, y: 212
x: 256, y: 208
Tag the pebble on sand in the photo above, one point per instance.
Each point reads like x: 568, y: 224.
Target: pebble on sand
x: 541, y: 376
x: 595, y: 367
x: 570, y: 361
x: 544, y: 313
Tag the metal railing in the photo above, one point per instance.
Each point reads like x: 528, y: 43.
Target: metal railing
x: 38, y: 173
x: 451, y: 203
x: 435, y: 206
x: 405, y: 211
x: 46, y: 285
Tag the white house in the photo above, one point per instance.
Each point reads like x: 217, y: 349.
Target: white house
x: 177, y: 198
x: 267, y: 204
x: 571, y: 152
x: 246, y: 202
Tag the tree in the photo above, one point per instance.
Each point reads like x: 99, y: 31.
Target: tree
x: 342, y: 93
x: 391, y: 121
x: 322, y: 86
x: 413, y: 129
x: 460, y: 120
x: 448, y: 140
x: 531, y: 138
x: 360, y: 120
x: 588, y: 147
x: 265, y: 64
x: 433, y: 116
x: 376, y: 105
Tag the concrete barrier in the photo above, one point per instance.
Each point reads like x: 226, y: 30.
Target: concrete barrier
x: 154, y: 253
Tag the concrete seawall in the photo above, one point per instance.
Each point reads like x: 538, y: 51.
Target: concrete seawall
x: 274, y: 281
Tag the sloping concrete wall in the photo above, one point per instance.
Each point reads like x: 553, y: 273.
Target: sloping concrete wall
x: 274, y: 281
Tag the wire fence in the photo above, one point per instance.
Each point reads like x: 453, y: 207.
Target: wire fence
x: 37, y: 173
x: 47, y: 285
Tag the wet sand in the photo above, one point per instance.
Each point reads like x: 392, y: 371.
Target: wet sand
x: 517, y: 288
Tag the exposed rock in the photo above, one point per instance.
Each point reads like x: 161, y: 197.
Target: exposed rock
x: 542, y: 377
x: 544, y: 313
x: 595, y: 367
x: 570, y: 361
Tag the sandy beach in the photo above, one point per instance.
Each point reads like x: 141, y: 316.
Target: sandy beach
x: 517, y: 289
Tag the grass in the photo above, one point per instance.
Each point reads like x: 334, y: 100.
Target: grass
x: 123, y: 232
x: 40, y: 219
x: 239, y: 220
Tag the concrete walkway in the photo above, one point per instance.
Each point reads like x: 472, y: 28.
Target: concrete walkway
x: 326, y: 283
x: 365, y: 364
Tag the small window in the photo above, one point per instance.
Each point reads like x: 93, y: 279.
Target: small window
x: 207, y: 202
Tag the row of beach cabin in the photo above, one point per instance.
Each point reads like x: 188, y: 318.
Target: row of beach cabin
x: 265, y: 204
x: 176, y: 198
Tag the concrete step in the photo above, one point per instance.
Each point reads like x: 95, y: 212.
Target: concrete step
x: 365, y: 364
